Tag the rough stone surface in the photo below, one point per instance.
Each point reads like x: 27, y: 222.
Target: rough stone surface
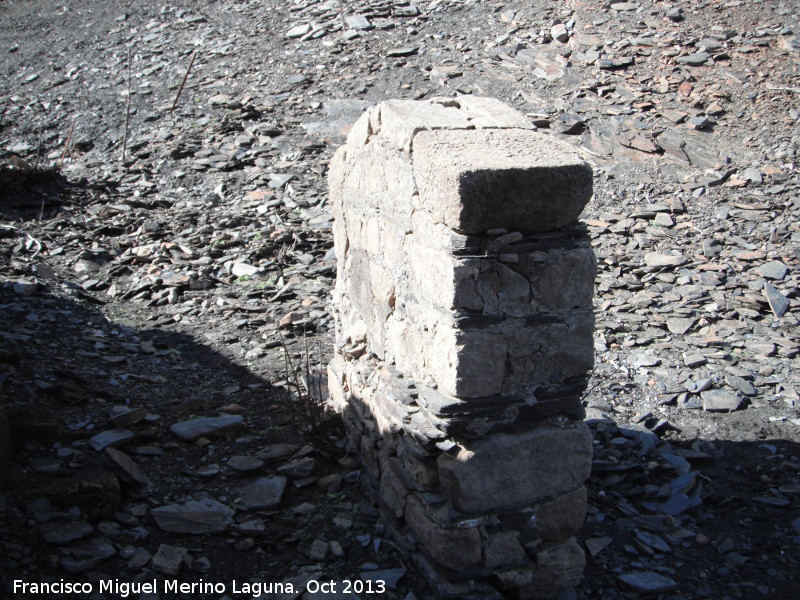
x: 168, y: 559
x: 131, y: 299
x: 464, y: 332
x: 537, y: 464
x: 195, y: 428
x: 473, y: 181
x: 6, y: 447
x: 722, y: 400
x: 457, y: 548
x: 648, y: 582
x: 557, y: 568
x: 561, y: 517
x: 111, y: 437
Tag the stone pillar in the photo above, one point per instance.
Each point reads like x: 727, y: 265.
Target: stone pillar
x: 464, y: 328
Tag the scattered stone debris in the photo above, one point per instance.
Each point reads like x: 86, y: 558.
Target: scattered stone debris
x: 158, y: 266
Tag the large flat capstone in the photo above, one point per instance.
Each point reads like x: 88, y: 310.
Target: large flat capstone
x: 517, y: 179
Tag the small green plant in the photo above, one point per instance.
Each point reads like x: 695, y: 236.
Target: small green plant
x: 305, y: 400
x: 243, y: 278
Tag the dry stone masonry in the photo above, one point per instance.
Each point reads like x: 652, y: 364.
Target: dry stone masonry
x: 464, y: 339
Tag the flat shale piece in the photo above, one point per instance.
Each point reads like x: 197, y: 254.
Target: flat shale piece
x: 264, y: 493
x: 194, y: 516
x: 777, y: 301
x: 191, y: 430
x: 111, y: 437
x: 648, y: 582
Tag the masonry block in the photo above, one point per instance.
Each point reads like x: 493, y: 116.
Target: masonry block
x: 536, y: 464
x: 464, y: 326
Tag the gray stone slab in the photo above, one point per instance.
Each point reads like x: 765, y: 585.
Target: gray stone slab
x: 127, y: 416
x: 191, y: 430
x: 401, y: 120
x: 244, y: 463
x: 124, y: 466
x: 263, y: 493
x: 60, y: 533
x: 773, y: 269
x: 536, y: 464
x: 111, y: 437
x: 654, y: 259
x: 648, y: 582
x: 456, y: 548
x: 168, y: 559
x: 778, y: 303
x: 722, y: 400
x: 358, y: 22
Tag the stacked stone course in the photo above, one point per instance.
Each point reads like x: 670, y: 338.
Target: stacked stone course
x: 464, y: 339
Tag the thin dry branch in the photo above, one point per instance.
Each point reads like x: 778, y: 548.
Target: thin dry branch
x: 67, y: 142
x: 183, y: 82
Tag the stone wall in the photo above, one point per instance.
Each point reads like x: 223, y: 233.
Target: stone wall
x: 464, y: 339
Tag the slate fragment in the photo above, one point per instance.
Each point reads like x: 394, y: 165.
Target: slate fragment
x: 193, y: 517
x: 195, y: 428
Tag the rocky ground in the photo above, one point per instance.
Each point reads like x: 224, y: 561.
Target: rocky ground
x: 166, y: 266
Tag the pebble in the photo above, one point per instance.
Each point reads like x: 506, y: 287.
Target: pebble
x: 358, y: 22
x: 298, y: 31
x: 624, y: 6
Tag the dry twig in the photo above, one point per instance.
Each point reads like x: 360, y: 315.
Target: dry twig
x: 127, y: 109
x: 183, y: 82
x: 28, y: 236
x: 67, y: 142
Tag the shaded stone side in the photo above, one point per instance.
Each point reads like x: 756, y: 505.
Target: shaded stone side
x: 464, y: 318
x: 6, y: 448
